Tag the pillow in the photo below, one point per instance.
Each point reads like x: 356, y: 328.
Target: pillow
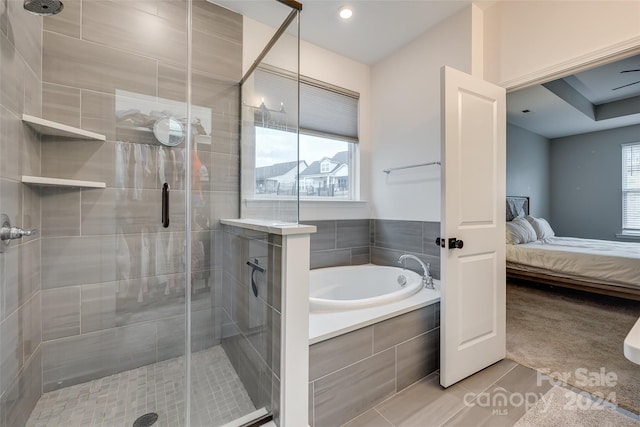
x: 520, y: 231
x: 541, y: 226
x: 512, y: 234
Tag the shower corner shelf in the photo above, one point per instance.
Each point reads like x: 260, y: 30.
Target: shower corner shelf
x: 48, y: 127
x: 58, y: 182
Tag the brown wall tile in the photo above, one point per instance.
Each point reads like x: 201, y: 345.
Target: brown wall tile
x: 61, y: 104
x: 67, y: 23
x: 78, y: 63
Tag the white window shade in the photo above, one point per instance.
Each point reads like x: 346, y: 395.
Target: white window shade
x: 631, y: 188
x: 325, y: 110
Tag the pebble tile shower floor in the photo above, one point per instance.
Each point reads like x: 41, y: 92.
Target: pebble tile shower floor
x: 217, y: 396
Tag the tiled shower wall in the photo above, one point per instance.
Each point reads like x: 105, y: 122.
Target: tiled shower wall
x: 252, y: 323
x: 113, y: 279
x: 20, y: 325
x: 376, y: 241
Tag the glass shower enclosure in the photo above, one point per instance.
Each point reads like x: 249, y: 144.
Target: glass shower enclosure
x: 119, y: 154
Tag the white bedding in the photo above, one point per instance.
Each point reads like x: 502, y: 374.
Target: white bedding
x: 614, y: 263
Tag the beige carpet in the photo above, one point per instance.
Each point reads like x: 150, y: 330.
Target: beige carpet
x: 574, y: 334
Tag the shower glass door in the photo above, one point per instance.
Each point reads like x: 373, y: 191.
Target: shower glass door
x: 113, y: 259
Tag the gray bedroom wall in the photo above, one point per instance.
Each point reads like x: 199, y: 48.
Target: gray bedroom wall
x: 586, y: 173
x: 528, y: 168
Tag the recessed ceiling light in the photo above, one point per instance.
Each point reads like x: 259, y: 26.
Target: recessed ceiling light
x: 346, y: 13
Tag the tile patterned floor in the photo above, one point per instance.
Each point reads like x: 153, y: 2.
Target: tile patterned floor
x: 217, y: 396
x: 500, y: 395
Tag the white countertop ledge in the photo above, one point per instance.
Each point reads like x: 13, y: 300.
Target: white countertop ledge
x: 270, y: 226
x: 632, y: 344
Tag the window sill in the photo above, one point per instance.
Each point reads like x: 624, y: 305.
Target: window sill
x: 320, y: 209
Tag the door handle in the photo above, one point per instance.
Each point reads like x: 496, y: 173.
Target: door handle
x: 440, y: 242
x: 165, y: 205
x: 455, y: 243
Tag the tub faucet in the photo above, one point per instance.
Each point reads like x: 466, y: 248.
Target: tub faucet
x: 427, y: 279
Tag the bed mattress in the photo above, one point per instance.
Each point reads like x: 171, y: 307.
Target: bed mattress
x: 608, y: 262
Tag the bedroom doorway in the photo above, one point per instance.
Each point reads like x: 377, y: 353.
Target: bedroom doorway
x: 560, y: 171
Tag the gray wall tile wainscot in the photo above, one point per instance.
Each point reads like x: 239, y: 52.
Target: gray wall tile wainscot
x: 401, y: 235
x: 339, y: 396
x: 331, y: 355
x: 375, y: 241
x: 399, y: 329
x: 336, y: 243
x: 417, y: 358
x: 351, y: 373
x: 394, y: 238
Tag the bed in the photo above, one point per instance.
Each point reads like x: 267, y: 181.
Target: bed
x: 602, y: 266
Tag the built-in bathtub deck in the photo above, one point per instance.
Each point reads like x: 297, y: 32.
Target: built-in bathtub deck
x: 330, y: 324
x: 353, y: 372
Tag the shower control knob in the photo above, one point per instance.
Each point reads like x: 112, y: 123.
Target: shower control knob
x: 12, y: 233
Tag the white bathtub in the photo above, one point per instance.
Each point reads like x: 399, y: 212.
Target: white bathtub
x: 343, y: 299
x: 345, y: 288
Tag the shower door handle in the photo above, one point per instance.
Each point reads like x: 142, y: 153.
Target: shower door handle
x: 165, y: 205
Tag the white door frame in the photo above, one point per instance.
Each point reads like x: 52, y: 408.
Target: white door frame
x: 590, y: 60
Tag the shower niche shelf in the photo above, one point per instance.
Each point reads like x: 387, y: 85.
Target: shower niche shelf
x: 48, y: 127
x: 58, y: 182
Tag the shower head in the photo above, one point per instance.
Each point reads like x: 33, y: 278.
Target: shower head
x: 43, y: 7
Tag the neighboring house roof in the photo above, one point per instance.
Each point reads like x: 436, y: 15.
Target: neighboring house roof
x: 341, y: 157
x: 338, y: 160
x: 279, y: 169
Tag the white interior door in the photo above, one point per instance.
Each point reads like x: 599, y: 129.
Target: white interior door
x: 473, y: 308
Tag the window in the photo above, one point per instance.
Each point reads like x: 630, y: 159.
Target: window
x: 328, y: 140
x: 325, y: 166
x: 631, y: 189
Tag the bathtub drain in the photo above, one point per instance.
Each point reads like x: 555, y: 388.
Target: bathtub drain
x: 146, y: 420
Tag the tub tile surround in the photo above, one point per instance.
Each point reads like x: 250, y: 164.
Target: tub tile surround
x: 376, y: 241
x: 354, y: 372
